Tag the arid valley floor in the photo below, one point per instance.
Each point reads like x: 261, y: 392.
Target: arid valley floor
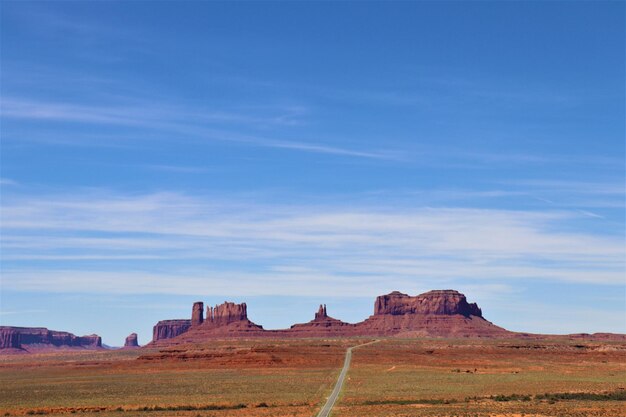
x: 265, y: 377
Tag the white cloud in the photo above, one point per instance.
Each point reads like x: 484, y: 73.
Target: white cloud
x: 205, y: 244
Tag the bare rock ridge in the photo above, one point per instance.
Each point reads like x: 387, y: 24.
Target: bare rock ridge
x: 438, y: 313
x: 40, y: 338
x: 131, y: 341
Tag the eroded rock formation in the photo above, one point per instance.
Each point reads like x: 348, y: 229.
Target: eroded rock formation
x: 226, y: 313
x: 321, y: 313
x: 167, y: 329
x: 197, y: 312
x: 131, y: 341
x: 29, y: 338
x: 440, y: 313
x: 437, y: 302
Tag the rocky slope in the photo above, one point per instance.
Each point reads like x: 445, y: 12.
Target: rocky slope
x: 40, y: 338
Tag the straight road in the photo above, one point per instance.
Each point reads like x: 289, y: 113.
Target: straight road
x: 327, y: 408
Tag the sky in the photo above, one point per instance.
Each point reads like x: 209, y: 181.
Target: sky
x: 154, y: 154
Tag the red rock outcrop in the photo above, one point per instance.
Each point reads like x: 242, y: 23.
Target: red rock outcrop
x: 131, y: 341
x: 9, y: 338
x: 321, y: 313
x: 167, y: 329
x: 439, y: 313
x: 321, y: 326
x: 37, y: 338
x: 437, y: 302
x: 197, y: 313
x: 226, y: 319
x: 226, y: 313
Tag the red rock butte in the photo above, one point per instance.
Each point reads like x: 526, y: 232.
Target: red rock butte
x: 131, y: 341
x: 439, y: 313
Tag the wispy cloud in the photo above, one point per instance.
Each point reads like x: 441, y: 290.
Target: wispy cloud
x: 183, y: 121
x: 7, y: 181
x: 580, y: 187
x: 208, y: 242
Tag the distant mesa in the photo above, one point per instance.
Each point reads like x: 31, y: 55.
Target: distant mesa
x: 439, y: 313
x: 168, y: 329
x: 131, y: 341
x: 437, y: 302
x: 28, y: 339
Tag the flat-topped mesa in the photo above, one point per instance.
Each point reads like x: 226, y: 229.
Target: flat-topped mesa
x: 9, y: 338
x: 321, y: 313
x: 197, y: 313
x: 226, y: 313
x: 167, y: 329
x: 41, y: 338
x: 437, y: 302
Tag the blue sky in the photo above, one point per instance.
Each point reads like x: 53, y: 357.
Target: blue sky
x: 290, y: 154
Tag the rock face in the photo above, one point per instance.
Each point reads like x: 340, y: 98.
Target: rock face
x: 131, y: 341
x: 9, y: 338
x: 225, y: 319
x: 437, y: 302
x: 197, y: 313
x: 439, y: 313
x: 167, y: 329
x: 321, y: 313
x: 226, y: 313
x: 37, y: 338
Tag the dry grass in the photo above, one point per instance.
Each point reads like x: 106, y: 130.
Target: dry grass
x: 448, y: 377
x: 292, y: 377
x: 263, y: 378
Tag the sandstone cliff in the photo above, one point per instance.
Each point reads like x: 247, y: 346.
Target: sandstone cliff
x: 197, y: 312
x: 437, y: 302
x: 38, y: 338
x: 439, y: 313
x: 226, y: 313
x: 226, y: 319
x: 131, y: 341
x: 167, y: 329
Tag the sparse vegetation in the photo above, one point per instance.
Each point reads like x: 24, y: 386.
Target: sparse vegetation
x: 391, y: 378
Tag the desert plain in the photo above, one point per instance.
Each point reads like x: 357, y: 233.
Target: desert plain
x: 293, y: 377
